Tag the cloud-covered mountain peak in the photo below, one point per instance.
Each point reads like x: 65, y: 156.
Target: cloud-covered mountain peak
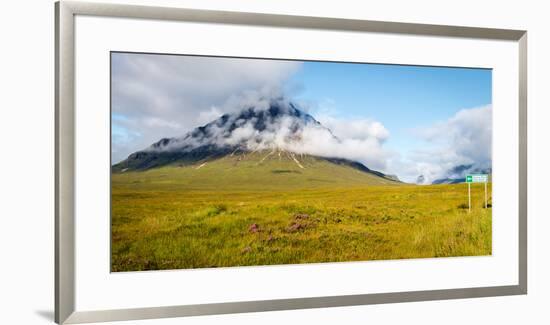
x: 279, y: 125
x: 268, y: 125
x: 278, y: 130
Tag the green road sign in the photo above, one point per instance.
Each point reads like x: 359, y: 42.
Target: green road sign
x: 477, y: 178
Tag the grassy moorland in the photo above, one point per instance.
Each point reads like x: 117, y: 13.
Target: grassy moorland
x: 237, y: 212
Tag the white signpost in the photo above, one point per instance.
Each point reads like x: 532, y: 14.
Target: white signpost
x: 476, y: 178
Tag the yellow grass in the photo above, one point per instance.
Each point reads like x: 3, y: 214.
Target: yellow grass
x: 161, y: 220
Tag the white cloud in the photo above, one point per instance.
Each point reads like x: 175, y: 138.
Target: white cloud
x: 464, y: 140
x: 155, y: 122
x: 166, y: 95
x: 209, y: 115
x: 358, y: 139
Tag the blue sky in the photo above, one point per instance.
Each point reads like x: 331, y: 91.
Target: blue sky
x: 400, y: 97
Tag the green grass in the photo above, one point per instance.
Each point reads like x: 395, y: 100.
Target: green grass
x: 235, y: 212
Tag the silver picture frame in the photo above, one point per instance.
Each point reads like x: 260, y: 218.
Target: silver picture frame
x: 65, y: 291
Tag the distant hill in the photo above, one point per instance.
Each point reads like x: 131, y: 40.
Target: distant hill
x: 253, y: 143
x: 456, y: 175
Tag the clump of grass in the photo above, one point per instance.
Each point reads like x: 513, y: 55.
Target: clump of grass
x: 300, y: 222
x: 462, y: 206
x: 216, y: 209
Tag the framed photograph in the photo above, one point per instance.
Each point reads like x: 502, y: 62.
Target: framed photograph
x: 213, y: 162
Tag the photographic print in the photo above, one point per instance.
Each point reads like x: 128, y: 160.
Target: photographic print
x: 225, y: 162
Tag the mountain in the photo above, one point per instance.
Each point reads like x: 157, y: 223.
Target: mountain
x: 449, y: 180
x: 279, y: 134
x: 457, y: 174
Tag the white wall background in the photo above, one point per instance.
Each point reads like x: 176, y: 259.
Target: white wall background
x: 27, y: 156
